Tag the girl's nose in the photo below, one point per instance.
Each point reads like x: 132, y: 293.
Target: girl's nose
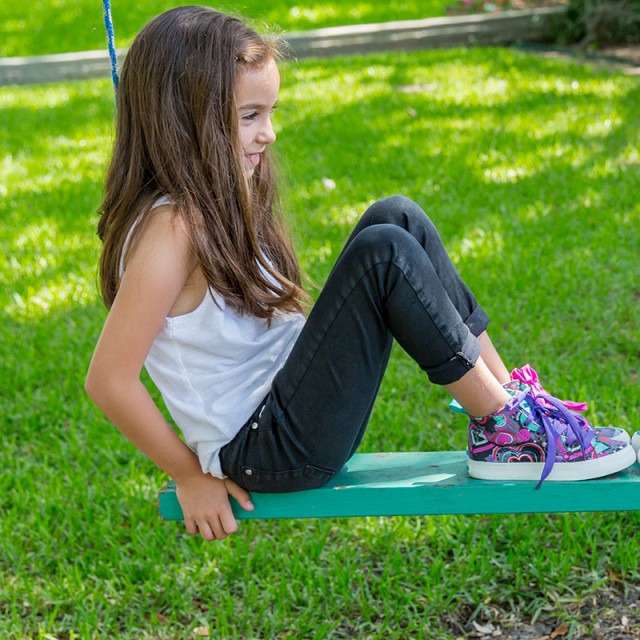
x: 267, y: 135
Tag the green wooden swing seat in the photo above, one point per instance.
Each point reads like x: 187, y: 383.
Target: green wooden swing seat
x: 434, y: 483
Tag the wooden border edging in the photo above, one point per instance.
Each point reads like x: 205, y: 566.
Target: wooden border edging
x: 55, y: 67
x: 526, y: 25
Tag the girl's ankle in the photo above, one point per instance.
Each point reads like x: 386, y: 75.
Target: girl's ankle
x: 490, y: 410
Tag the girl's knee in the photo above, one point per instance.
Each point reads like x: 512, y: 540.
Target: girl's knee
x: 397, y: 203
x: 381, y: 243
x: 389, y: 207
x: 380, y: 235
x: 398, y: 210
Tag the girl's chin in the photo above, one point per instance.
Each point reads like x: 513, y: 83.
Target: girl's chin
x: 249, y: 167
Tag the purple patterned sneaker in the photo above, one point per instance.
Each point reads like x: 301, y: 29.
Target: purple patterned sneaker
x: 536, y: 438
x: 526, y: 379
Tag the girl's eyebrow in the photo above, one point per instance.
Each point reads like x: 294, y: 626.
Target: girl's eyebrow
x: 256, y: 106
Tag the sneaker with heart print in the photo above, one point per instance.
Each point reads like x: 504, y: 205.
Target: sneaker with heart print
x: 526, y: 379
x: 534, y: 438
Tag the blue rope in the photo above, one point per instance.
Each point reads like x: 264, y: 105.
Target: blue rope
x: 111, y: 41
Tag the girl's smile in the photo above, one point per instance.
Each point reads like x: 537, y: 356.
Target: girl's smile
x: 253, y: 160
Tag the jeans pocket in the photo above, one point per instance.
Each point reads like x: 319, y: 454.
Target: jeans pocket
x: 300, y: 479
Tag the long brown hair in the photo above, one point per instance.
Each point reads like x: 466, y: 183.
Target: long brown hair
x: 176, y: 136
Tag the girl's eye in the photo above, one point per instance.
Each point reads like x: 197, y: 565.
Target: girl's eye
x: 250, y: 116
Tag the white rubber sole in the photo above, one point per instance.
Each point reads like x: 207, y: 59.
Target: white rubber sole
x: 635, y: 441
x: 561, y: 472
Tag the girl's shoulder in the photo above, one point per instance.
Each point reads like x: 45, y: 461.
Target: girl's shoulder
x: 158, y: 231
x: 165, y: 242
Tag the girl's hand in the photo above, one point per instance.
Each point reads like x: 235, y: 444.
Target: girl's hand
x: 206, y: 508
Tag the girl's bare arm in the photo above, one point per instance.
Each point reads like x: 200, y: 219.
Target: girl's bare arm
x: 156, y: 274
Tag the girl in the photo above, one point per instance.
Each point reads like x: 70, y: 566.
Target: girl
x: 204, y: 290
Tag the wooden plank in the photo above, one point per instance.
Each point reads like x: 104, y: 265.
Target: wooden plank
x: 433, y: 483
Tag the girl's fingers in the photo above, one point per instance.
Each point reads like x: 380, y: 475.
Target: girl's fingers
x: 229, y: 523
x: 207, y: 532
x: 214, y: 518
x: 209, y: 529
x: 191, y: 526
x: 240, y: 494
x: 218, y: 530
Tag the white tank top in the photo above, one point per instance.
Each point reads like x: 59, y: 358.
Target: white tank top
x: 213, y: 366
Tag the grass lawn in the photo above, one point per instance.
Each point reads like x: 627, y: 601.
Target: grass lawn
x: 43, y: 26
x: 530, y: 168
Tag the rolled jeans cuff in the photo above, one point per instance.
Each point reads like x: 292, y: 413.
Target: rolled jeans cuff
x: 478, y: 321
x: 457, y: 366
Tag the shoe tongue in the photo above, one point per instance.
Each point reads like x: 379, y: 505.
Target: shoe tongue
x: 520, y: 399
x: 563, y: 429
x: 513, y: 387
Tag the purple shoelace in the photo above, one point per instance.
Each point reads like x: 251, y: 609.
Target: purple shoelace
x: 548, y: 415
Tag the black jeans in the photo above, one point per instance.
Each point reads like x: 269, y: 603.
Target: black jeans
x: 393, y: 279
